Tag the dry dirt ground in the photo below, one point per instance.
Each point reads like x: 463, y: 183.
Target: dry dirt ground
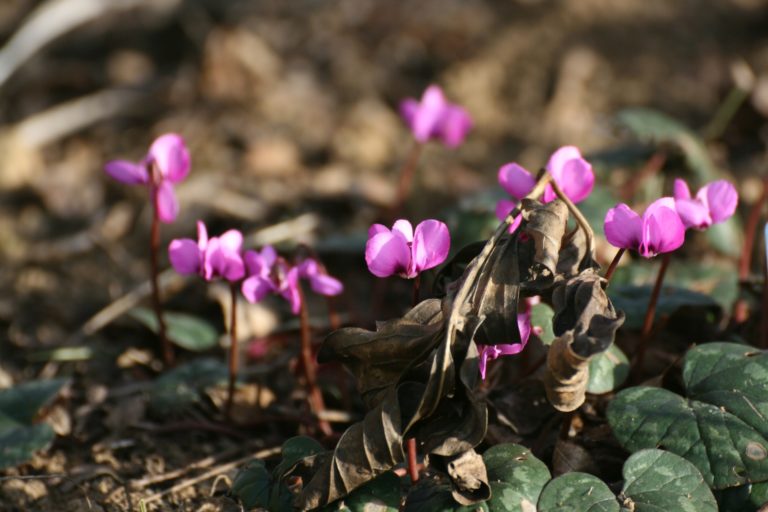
x: 289, y: 109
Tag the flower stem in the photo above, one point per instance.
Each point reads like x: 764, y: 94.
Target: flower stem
x: 154, y: 248
x: 740, y: 311
x: 614, y: 264
x: 651, y: 167
x: 650, y: 314
x: 413, y: 463
x: 314, y: 395
x: 764, y: 316
x: 406, y: 174
x: 233, y: 352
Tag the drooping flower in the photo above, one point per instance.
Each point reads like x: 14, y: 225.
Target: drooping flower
x: 714, y: 203
x: 659, y: 229
x: 572, y: 173
x: 491, y: 352
x: 404, y: 251
x: 218, y: 256
x: 269, y: 273
x: 166, y: 163
x: 435, y: 118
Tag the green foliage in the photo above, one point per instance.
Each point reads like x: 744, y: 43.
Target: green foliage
x: 187, y: 331
x: 382, y: 494
x: 516, y: 478
x: 251, y: 485
x: 177, y: 390
x: 654, y: 480
x: 745, y: 498
x: 607, y: 371
x: 633, y: 300
x: 19, y: 406
x: 541, y: 316
x: 436, y: 497
x: 720, y: 426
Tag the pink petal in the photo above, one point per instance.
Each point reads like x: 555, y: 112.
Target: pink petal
x: 232, y: 241
x: 255, y: 288
x: 693, y: 213
x: 405, y: 228
x: 211, y: 258
x: 681, y: 190
x: 509, y: 349
x: 387, y: 254
x: 326, y: 285
x: 308, y: 268
x: 559, y: 158
x: 269, y: 255
x: 431, y: 243
x: 127, y: 172
x: 576, y: 180
x: 524, y: 326
x: 202, y: 235
x: 623, y: 227
x: 290, y: 290
x: 663, y: 231
x: 721, y: 198
x: 408, y: 109
x: 428, y: 114
x: 454, y: 126
x: 484, y: 352
x: 184, y: 255
x: 223, y: 256
x: 517, y: 181
x: 503, y: 208
x: 166, y: 203
x: 375, y: 229
x: 171, y: 156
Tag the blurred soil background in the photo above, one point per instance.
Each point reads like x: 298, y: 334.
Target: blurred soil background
x: 290, y: 112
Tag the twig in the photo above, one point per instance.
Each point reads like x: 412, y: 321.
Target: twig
x: 262, y: 454
x: 580, y: 219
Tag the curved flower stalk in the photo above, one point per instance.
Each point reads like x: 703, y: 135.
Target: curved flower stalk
x: 167, y: 162
x: 572, y: 173
x: 405, y: 251
x: 434, y: 117
x: 714, y: 203
x: 491, y: 352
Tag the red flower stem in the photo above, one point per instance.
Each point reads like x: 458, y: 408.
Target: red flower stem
x: 764, y: 316
x: 314, y: 395
x: 750, y: 231
x: 154, y: 248
x: 651, y: 167
x: 333, y: 316
x: 650, y: 313
x: 413, y: 463
x: 233, y: 352
x: 405, y: 180
x: 614, y: 264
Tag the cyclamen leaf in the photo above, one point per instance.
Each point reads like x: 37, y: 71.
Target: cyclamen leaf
x: 516, y: 476
x: 21, y: 403
x: 607, y: 371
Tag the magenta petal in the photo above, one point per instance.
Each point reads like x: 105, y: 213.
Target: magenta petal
x: 308, y: 268
x: 167, y: 205
x: 408, y: 109
x: 509, y: 349
x: 326, y: 285
x: 255, y: 288
x: 127, y: 172
x: 454, y: 126
x: 211, y: 258
x: 559, y: 158
x: 484, y: 352
x: 663, y: 231
x: 403, y: 227
x: 375, y: 229
x: 184, y: 255
x: 387, y: 254
x: 429, y: 113
x: 231, y: 241
x: 290, y: 290
x: 202, y: 235
x: 681, y: 190
x: 576, y: 179
x: 722, y: 199
x: 517, y: 181
x: 693, y: 213
x: 171, y: 156
x: 623, y: 227
x: 524, y: 326
x: 431, y: 243
x: 504, y: 207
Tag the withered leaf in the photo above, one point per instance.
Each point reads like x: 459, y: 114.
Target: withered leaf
x: 467, y: 473
x: 546, y: 226
x: 586, y: 323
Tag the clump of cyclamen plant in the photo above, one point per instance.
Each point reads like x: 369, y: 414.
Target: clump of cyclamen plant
x: 166, y: 163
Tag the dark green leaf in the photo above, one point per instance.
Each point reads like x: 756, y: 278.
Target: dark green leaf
x: 516, y: 478
x: 727, y: 237
x: 541, y: 316
x: 177, y: 390
x: 251, y: 485
x: 607, y: 371
x: 577, y: 492
x: 187, y: 331
x: 22, y: 402
x: 382, y: 494
x: 19, y: 443
x: 745, y: 498
x: 658, y: 480
x: 720, y: 427
x: 436, y: 497
x: 633, y: 300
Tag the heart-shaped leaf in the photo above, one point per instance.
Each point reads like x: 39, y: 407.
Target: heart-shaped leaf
x: 18, y: 443
x: 654, y: 480
x: 721, y: 427
x: 437, y: 497
x: 251, y: 485
x: 607, y: 371
x: 382, y: 494
x: 516, y: 478
x: 577, y: 492
x: 180, y: 388
x: 21, y: 403
x: 541, y: 317
x: 187, y: 331
x: 633, y: 300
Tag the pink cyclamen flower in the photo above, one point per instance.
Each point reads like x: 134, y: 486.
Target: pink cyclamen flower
x: 166, y: 163
x: 714, y: 203
x: 435, y: 118
x: 572, y: 173
x: 218, y: 256
x: 269, y: 273
x: 658, y: 230
x: 491, y: 352
x: 404, y: 251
